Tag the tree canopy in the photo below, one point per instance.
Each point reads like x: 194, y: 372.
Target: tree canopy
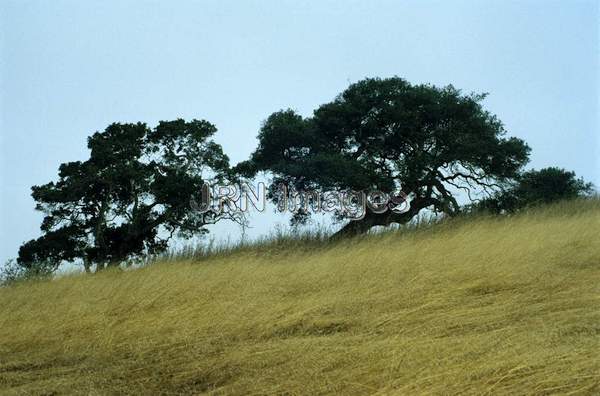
x: 129, y: 198
x: 537, y: 187
x: 387, y: 134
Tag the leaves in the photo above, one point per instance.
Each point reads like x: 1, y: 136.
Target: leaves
x: 130, y: 197
x: 387, y: 134
x: 537, y: 187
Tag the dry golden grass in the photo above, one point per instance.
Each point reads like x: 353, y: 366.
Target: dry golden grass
x: 480, y: 306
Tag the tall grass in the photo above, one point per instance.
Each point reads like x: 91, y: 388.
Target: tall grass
x: 481, y: 305
x: 280, y: 239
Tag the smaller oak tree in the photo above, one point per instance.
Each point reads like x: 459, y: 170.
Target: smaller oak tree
x: 129, y: 198
x: 537, y: 187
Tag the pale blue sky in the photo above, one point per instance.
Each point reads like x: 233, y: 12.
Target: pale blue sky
x: 69, y: 68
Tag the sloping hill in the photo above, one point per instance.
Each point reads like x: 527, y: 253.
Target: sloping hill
x: 481, y: 306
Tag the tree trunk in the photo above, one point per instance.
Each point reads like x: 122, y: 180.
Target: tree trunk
x: 357, y: 227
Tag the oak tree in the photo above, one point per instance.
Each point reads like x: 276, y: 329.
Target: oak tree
x: 387, y: 135
x: 129, y: 198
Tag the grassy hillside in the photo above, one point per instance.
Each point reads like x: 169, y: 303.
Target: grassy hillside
x: 480, y: 306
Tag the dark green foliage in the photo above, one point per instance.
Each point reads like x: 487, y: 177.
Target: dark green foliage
x: 129, y: 198
x: 537, y: 187
x: 386, y: 134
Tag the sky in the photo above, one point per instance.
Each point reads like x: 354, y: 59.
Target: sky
x: 70, y: 68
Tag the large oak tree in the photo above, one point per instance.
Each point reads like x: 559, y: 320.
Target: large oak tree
x: 387, y: 134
